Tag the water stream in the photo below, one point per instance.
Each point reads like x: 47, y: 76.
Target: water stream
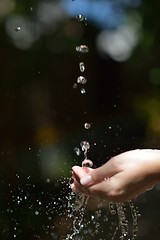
x: 116, y: 215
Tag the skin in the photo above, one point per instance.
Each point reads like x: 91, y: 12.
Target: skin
x: 122, y: 178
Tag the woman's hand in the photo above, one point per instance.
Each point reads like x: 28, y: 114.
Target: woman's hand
x: 122, y: 178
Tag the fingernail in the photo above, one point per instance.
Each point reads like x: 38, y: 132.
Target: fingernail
x: 86, y: 180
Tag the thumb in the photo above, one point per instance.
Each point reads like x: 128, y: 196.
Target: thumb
x: 99, y: 174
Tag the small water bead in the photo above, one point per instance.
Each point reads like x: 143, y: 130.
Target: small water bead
x: 36, y: 213
x: 113, y: 212
x: 17, y: 29
x: 83, y: 91
x: 85, y: 21
x: 80, y: 18
x: 82, y: 66
x: 87, y: 125
x: 82, y: 49
x: 81, y: 80
x: 92, y: 217
x: 77, y: 151
x: 75, y: 86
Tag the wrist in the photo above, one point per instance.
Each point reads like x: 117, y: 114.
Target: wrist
x: 154, y: 166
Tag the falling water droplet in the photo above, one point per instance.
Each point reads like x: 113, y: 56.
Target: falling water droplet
x: 85, y: 145
x: 17, y: 29
x: 87, y: 163
x: 80, y: 17
x: 81, y: 80
x: 85, y: 21
x: 75, y: 85
x: 77, y: 151
x: 82, y: 49
x: 87, y: 125
x: 83, y: 91
x: 82, y: 66
x: 36, y: 213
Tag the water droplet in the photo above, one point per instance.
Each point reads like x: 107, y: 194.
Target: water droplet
x: 82, y: 49
x: 18, y: 29
x: 87, y: 163
x: 85, y: 145
x: 92, y: 217
x: 48, y: 180
x: 77, y: 151
x: 83, y: 91
x: 81, y: 80
x: 87, y: 125
x: 80, y: 17
x: 82, y: 66
x: 75, y: 85
x: 36, y: 213
x: 113, y: 212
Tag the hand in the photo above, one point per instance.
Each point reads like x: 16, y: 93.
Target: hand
x: 122, y: 178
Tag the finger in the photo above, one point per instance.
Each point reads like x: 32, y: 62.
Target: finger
x: 109, y: 190
x: 80, y: 172
x: 78, y: 188
x: 99, y: 174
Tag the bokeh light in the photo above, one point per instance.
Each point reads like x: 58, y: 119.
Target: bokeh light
x: 120, y: 43
x: 6, y: 7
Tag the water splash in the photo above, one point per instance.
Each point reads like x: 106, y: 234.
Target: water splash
x: 122, y: 227
x: 78, y: 212
x: 112, y: 220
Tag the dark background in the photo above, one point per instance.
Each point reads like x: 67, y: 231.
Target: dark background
x: 42, y: 116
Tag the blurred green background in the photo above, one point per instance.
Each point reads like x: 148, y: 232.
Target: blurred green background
x: 43, y: 110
